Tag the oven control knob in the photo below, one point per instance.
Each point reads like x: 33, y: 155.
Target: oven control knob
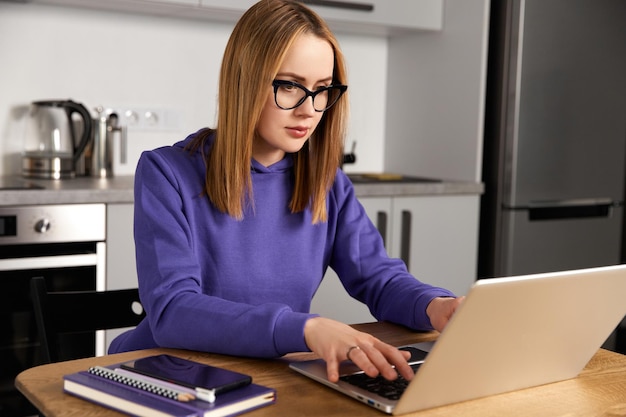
x: 42, y: 226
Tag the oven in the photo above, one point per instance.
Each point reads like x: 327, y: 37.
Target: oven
x: 65, y: 244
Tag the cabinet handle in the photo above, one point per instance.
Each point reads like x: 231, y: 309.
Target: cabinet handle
x: 364, y: 7
x: 381, y: 225
x: 405, y: 237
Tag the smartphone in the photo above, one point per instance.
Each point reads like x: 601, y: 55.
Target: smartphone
x: 188, y: 373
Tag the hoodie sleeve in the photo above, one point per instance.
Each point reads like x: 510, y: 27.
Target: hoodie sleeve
x: 368, y: 273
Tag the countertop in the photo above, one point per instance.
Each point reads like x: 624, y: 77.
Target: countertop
x: 120, y: 190
x: 82, y: 190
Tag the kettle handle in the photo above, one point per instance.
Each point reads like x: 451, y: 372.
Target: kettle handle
x: 74, y: 107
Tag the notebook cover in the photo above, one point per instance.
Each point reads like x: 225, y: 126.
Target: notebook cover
x: 122, y: 397
x: 138, y: 402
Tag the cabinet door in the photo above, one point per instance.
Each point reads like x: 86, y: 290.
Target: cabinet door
x: 398, y: 14
x: 120, y: 262
x: 437, y: 236
x: 121, y: 270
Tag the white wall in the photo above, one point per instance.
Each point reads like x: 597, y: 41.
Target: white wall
x: 118, y: 60
x: 436, y: 93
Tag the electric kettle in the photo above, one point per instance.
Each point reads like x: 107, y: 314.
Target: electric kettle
x: 53, y: 147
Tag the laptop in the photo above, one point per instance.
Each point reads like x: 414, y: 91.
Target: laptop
x: 509, y: 334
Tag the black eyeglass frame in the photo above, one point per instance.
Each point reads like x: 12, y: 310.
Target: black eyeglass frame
x: 308, y: 93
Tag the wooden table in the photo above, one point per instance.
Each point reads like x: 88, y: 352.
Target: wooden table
x: 600, y: 390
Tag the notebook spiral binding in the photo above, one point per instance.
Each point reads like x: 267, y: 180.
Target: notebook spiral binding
x: 135, y: 383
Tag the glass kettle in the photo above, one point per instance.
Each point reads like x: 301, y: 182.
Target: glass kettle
x: 57, y: 133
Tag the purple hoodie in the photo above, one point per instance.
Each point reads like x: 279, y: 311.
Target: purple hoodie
x: 211, y: 283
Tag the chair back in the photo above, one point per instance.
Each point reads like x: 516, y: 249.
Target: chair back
x: 57, y: 313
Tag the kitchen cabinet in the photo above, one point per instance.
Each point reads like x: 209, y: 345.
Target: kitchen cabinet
x: 373, y: 17
x: 120, y: 258
x: 394, y: 15
x: 178, y: 2
x: 370, y: 16
x: 435, y: 235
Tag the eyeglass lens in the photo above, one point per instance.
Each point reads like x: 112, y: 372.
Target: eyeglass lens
x: 290, y: 95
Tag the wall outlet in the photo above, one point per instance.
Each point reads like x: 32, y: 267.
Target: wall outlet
x: 147, y: 118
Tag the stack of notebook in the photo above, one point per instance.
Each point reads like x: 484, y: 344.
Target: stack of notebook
x: 165, y: 385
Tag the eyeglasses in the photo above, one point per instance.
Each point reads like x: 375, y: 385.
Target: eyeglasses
x: 289, y: 95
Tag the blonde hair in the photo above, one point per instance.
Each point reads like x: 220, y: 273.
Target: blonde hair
x: 253, y: 56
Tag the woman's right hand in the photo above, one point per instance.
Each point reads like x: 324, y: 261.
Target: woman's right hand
x: 334, y: 342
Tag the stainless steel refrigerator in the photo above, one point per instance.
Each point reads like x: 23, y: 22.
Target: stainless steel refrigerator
x: 555, y: 137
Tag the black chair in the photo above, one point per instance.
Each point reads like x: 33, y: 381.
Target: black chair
x: 75, y: 312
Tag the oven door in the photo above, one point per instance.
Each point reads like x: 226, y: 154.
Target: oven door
x: 66, y: 267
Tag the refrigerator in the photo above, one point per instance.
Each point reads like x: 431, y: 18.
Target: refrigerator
x: 555, y: 137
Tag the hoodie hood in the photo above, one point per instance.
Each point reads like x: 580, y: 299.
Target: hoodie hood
x: 283, y: 165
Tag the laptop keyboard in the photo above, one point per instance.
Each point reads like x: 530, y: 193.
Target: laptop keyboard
x: 379, y: 385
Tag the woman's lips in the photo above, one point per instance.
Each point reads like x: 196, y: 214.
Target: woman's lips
x: 298, y: 132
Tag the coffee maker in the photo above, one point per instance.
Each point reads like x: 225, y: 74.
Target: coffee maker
x: 99, y: 154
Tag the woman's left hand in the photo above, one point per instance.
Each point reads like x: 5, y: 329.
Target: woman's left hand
x: 441, y: 309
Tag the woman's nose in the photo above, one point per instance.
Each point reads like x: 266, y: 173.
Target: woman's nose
x: 306, y: 108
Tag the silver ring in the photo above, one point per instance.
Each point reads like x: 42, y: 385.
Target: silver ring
x: 350, y: 351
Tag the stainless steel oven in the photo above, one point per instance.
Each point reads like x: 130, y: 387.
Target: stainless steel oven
x: 65, y: 244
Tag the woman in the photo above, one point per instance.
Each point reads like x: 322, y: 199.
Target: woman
x: 235, y: 227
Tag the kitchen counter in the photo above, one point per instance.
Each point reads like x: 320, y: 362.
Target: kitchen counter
x: 393, y: 185
x: 120, y: 190
x: 81, y: 190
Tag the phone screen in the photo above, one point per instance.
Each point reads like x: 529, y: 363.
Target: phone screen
x: 188, y: 373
